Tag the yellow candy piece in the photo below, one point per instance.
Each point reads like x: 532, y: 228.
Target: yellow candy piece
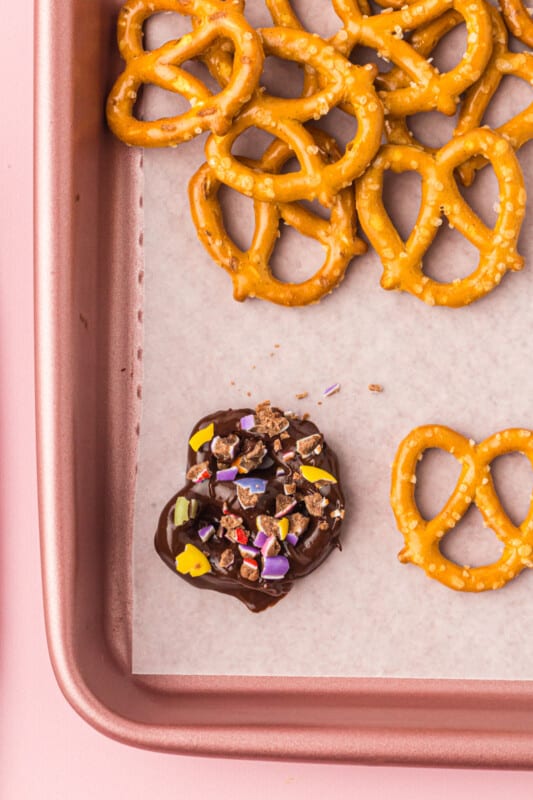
x: 192, y: 562
x: 283, y: 528
x: 315, y: 475
x: 202, y: 436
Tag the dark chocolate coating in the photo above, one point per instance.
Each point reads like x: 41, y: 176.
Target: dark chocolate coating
x: 313, y: 546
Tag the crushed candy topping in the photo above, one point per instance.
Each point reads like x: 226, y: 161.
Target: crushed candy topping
x: 192, y: 562
x: 278, y: 501
x: 201, y: 437
x: 317, y: 475
x: 199, y: 472
x: 309, y: 445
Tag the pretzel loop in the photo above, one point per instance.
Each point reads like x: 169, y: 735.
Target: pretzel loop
x: 282, y: 118
x: 161, y: 67
x: 474, y: 486
x: 517, y: 16
x: 402, y: 262
x: 250, y: 271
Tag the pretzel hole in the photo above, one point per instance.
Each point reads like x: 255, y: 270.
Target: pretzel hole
x: 402, y: 194
x: 451, y: 49
x: 282, y: 78
x: 340, y: 125
x: 238, y: 216
x: 512, y: 476
x: 154, y: 103
x: 316, y: 17
x: 470, y: 543
x: 252, y: 143
x: 436, y: 478
x: 295, y: 258
x: 450, y: 257
x: 432, y: 129
x: 366, y: 55
x: 482, y: 195
x: 165, y: 27
x: 512, y: 96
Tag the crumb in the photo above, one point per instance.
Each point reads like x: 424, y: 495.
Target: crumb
x: 319, y: 403
x: 277, y: 345
x: 305, y: 416
x: 232, y: 383
x: 301, y: 395
x: 375, y: 387
x: 248, y: 394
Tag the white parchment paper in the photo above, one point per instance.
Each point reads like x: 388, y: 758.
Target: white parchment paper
x: 362, y: 613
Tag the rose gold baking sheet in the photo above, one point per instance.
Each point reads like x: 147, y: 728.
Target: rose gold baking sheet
x: 88, y: 278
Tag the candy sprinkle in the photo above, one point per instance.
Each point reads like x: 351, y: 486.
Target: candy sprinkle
x: 206, y: 532
x: 275, y: 568
x: 283, y: 525
x: 333, y: 389
x: 247, y: 551
x: 192, y: 562
x: 202, y: 436
x: 260, y: 539
x: 181, y: 511
x: 292, y: 539
x: 247, y: 422
x: 227, y: 474
x: 255, y: 485
x: 315, y: 474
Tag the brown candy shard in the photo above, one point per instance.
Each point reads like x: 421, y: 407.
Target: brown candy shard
x: 284, y: 504
x: 271, y: 547
x: 268, y: 525
x: 309, y: 445
x: 227, y: 558
x: 315, y: 504
x: 196, y: 471
x: 247, y: 498
x: 269, y: 421
x: 298, y: 523
x: 252, y: 458
x: 249, y: 572
x: 225, y: 448
x: 289, y: 488
x: 230, y: 521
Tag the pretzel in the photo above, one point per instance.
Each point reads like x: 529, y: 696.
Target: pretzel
x: 518, y: 19
x: 384, y: 33
x: 402, y: 262
x: 517, y: 130
x: 282, y: 118
x: 215, y: 21
x: 474, y: 486
x: 250, y: 271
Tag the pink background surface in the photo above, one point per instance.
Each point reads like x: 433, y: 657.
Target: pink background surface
x: 46, y: 751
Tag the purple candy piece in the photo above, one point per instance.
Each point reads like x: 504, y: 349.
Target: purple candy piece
x: 247, y: 422
x: 246, y: 550
x: 291, y: 538
x: 227, y: 474
x: 206, y: 532
x: 275, y: 568
x: 260, y: 539
x: 255, y: 485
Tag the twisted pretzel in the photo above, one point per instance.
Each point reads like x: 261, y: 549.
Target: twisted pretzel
x: 402, y: 262
x: 250, y: 271
x: 215, y: 21
x: 517, y: 130
x: 427, y: 89
x: 282, y: 118
x: 475, y: 485
x: 517, y: 16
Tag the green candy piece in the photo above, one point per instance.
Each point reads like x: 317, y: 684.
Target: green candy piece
x: 194, y: 508
x: 181, y: 511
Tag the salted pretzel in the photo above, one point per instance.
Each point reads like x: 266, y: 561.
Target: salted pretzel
x: 517, y: 130
x: 474, y: 486
x: 402, y: 262
x: 427, y: 89
x: 282, y: 118
x: 250, y: 270
x: 215, y: 21
x: 518, y: 18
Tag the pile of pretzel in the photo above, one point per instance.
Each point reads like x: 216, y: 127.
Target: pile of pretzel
x: 348, y: 182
